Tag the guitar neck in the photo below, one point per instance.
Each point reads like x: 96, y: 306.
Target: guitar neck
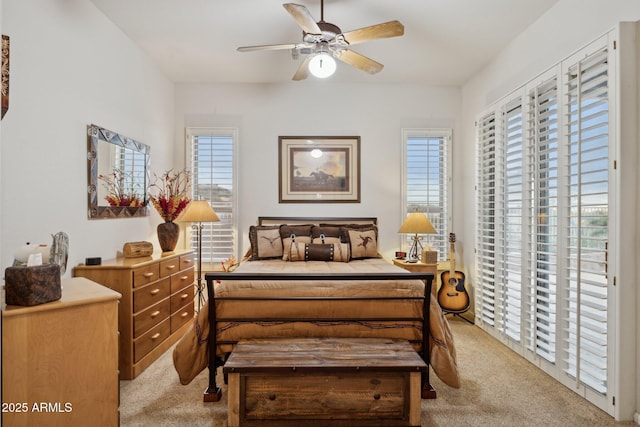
x: 452, y: 259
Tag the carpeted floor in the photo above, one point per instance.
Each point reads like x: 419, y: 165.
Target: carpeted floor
x: 498, y: 388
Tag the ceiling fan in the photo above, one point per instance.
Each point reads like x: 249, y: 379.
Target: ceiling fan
x: 323, y: 41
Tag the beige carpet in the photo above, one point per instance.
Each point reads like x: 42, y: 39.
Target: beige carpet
x: 499, y: 388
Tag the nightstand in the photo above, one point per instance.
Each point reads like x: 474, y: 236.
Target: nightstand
x: 420, y: 267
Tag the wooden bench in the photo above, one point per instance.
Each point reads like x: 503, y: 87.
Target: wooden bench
x: 324, y: 381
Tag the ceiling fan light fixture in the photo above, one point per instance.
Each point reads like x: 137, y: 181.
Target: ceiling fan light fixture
x: 322, y: 65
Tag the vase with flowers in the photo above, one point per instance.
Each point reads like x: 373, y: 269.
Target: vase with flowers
x: 121, y: 189
x: 169, y: 194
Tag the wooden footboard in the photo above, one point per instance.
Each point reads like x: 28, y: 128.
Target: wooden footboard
x: 214, y: 393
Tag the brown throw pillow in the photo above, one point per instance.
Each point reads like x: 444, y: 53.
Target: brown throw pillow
x: 266, y: 242
x: 363, y: 243
x: 319, y: 252
x: 302, y: 235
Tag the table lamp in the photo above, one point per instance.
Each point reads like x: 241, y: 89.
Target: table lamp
x: 199, y: 211
x: 416, y: 223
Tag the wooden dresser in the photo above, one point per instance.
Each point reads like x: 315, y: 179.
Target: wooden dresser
x: 156, y: 306
x: 60, y: 359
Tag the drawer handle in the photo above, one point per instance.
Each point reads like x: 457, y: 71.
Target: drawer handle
x: 376, y: 396
x: 185, y: 314
x: 149, y: 274
x: 184, y: 296
x: 156, y: 336
x: 171, y: 267
x: 187, y: 261
x: 155, y: 313
x: 272, y: 396
x: 155, y: 291
x: 184, y: 277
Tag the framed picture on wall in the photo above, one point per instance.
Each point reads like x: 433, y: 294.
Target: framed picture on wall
x: 319, y: 169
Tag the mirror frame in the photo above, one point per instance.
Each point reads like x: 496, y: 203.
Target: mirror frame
x: 97, y: 135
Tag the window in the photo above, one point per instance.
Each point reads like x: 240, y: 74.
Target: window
x: 542, y: 221
x: 426, y: 182
x: 212, y: 162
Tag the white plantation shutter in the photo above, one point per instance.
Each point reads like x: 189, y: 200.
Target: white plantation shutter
x: 510, y: 232
x: 543, y: 209
x: 541, y: 217
x: 213, y: 170
x: 426, y: 183
x: 486, y: 298
x: 134, y: 163
x: 586, y: 232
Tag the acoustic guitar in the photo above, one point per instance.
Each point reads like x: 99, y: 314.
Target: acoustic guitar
x: 452, y: 295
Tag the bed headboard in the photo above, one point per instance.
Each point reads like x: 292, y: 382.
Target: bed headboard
x: 277, y: 220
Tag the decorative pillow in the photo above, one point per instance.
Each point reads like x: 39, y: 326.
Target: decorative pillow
x: 363, y: 243
x: 326, y: 230
x: 292, y: 243
x: 324, y: 239
x: 266, y: 242
x: 302, y: 234
x: 319, y: 252
x: 344, y: 230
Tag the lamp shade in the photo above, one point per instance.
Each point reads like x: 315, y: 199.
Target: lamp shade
x: 417, y: 223
x: 199, y: 211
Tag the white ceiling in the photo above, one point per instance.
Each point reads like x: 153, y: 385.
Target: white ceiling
x: 445, y: 41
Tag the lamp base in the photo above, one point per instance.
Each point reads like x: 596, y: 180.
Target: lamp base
x: 414, y: 252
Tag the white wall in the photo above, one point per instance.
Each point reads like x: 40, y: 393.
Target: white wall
x: 262, y: 112
x: 70, y: 67
x: 564, y: 29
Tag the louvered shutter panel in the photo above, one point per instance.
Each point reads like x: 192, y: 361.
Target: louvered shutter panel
x: 212, y: 159
x: 586, y: 233
x: 510, y: 242
x: 426, y: 188
x: 541, y: 218
x: 486, y: 300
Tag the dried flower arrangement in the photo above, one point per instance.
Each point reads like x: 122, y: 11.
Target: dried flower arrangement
x: 117, y: 194
x: 172, y: 193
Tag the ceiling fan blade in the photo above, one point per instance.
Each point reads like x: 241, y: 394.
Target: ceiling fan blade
x: 303, y: 17
x: 379, y: 31
x: 303, y: 70
x: 359, y: 61
x: 267, y: 47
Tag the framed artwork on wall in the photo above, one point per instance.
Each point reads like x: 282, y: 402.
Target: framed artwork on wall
x: 319, y: 169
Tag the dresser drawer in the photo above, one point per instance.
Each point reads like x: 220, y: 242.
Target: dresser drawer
x: 181, y: 280
x: 145, y: 275
x: 150, y: 317
x: 186, y: 261
x: 151, y: 339
x: 151, y: 294
x: 169, y: 267
x: 182, y: 316
x: 182, y: 297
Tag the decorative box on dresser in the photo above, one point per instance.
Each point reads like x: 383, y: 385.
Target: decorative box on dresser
x: 60, y: 359
x: 156, y: 307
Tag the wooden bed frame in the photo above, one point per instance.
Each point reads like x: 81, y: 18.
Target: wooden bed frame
x: 213, y: 393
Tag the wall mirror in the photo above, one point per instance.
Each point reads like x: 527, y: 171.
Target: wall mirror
x: 118, y: 171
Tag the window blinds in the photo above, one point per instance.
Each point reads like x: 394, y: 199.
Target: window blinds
x: 486, y: 216
x: 212, y: 166
x: 427, y: 183
x: 586, y: 230
x: 542, y: 222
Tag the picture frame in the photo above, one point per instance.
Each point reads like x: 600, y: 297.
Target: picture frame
x: 319, y: 169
